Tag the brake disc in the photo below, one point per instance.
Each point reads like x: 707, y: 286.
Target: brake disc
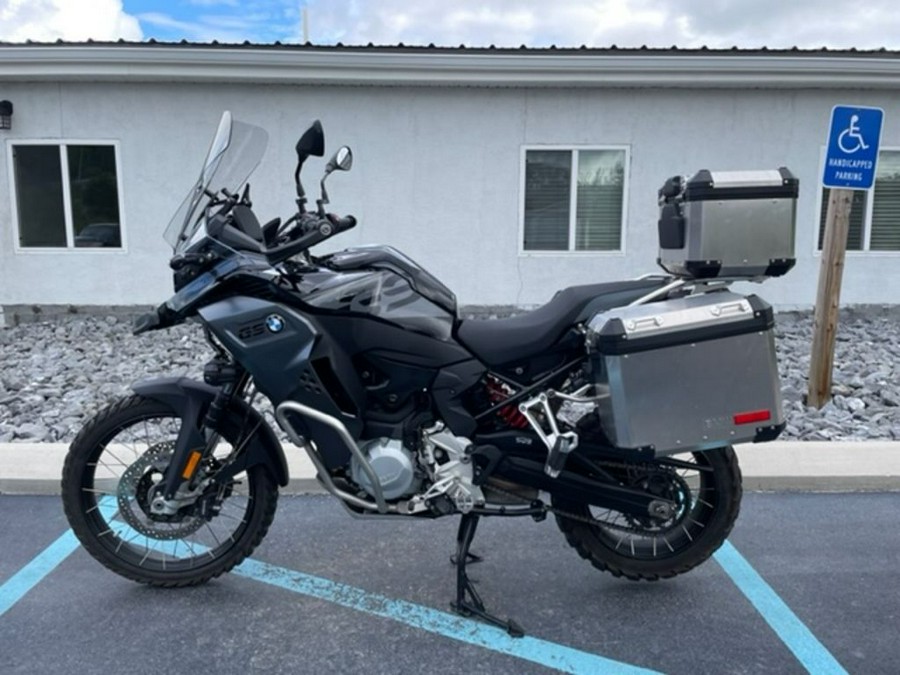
x: 135, y: 491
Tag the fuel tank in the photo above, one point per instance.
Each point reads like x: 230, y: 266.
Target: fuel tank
x: 380, y: 281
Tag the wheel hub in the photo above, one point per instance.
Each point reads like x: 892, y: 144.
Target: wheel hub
x: 139, y: 487
x: 665, y: 484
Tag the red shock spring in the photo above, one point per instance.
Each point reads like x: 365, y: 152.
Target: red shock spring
x: 497, y: 393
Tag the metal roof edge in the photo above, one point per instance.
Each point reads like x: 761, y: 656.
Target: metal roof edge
x: 451, y: 67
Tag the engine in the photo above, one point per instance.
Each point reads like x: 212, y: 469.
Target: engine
x: 394, y: 465
x: 441, y: 470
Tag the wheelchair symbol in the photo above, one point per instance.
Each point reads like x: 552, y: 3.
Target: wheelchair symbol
x: 856, y: 141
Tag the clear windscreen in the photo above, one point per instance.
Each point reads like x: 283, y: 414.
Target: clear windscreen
x: 234, y: 153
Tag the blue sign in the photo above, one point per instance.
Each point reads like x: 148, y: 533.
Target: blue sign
x: 852, y: 153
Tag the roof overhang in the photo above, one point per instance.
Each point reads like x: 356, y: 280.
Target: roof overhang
x: 436, y: 67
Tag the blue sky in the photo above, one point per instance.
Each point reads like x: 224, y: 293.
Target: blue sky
x: 223, y: 20
x: 507, y: 23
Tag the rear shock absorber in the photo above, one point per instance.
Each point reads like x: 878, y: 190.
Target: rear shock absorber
x: 497, y: 393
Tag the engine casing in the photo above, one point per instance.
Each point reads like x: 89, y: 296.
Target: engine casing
x: 394, y: 465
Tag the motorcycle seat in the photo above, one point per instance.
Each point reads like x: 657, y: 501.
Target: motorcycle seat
x: 502, y: 341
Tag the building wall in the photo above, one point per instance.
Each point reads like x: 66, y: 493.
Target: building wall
x: 437, y: 174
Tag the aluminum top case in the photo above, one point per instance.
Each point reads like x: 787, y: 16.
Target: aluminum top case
x: 692, y: 373
x: 728, y: 224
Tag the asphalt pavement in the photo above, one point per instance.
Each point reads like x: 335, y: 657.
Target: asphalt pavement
x: 806, y: 583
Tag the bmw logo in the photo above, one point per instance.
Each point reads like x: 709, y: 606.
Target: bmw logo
x: 274, y: 323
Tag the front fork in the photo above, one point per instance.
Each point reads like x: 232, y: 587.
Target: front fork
x: 197, y: 439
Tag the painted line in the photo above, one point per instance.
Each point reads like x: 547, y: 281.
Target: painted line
x: 542, y: 652
x: 40, y: 566
x: 811, y: 653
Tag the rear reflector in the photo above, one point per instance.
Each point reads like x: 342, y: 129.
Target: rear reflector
x: 752, y: 416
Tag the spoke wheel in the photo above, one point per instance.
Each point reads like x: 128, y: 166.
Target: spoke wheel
x: 706, y: 488
x: 113, y: 471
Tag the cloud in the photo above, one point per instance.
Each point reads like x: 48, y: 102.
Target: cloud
x: 804, y: 23
x: 475, y: 23
x: 601, y: 23
x: 74, y: 20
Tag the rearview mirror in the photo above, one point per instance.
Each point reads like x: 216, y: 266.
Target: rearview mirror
x: 312, y: 142
x: 341, y: 161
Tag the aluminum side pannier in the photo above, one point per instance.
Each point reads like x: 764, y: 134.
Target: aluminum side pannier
x: 692, y: 373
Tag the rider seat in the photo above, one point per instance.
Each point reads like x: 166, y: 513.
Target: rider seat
x: 501, y: 341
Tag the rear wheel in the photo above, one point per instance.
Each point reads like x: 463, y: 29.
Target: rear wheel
x: 706, y: 488
x: 111, y: 474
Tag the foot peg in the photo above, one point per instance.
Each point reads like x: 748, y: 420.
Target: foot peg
x: 471, y: 558
x: 559, y: 444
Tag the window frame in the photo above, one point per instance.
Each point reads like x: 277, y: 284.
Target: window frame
x: 867, y: 217
x: 573, y: 210
x: 62, y: 144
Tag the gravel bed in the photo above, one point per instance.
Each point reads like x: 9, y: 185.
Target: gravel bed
x: 54, y: 375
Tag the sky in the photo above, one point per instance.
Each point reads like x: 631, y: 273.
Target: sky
x: 811, y: 24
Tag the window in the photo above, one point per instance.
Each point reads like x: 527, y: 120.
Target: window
x: 875, y: 215
x: 574, y: 199
x: 66, y: 195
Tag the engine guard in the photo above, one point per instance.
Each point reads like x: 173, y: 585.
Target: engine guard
x: 190, y: 400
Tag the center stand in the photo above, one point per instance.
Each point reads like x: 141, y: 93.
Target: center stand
x: 473, y: 606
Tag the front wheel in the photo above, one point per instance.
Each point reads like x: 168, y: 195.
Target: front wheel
x: 706, y: 488
x: 109, y: 477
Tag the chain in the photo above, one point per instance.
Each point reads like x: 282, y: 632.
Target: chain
x: 574, y: 516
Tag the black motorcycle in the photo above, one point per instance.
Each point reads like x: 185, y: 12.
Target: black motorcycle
x: 405, y: 409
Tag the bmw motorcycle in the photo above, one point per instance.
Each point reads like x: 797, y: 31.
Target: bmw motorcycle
x: 405, y: 409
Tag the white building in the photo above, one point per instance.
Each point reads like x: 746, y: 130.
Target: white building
x: 106, y: 139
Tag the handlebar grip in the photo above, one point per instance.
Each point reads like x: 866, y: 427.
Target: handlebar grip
x: 342, y: 224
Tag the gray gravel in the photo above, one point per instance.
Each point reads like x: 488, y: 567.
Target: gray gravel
x: 54, y: 375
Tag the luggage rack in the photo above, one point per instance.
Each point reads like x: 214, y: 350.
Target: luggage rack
x: 700, y: 286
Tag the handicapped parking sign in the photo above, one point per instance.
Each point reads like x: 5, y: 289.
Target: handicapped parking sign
x: 852, y: 153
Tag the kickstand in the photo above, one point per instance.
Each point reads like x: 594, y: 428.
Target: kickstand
x: 473, y: 606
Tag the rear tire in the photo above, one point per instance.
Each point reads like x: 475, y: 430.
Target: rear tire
x: 110, y: 467
x: 628, y: 547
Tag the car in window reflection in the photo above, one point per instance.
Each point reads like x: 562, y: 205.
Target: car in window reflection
x: 99, y: 235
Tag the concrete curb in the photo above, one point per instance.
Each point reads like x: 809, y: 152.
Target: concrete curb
x: 35, y: 468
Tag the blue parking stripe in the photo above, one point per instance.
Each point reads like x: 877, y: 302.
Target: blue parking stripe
x: 29, y: 576
x: 542, y: 652
x: 795, y: 635
x: 811, y: 653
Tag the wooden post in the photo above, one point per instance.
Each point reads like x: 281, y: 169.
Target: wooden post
x: 834, y: 249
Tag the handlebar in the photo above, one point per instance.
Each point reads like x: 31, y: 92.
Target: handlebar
x: 309, y: 231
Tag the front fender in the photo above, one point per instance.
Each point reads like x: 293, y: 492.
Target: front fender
x: 190, y: 400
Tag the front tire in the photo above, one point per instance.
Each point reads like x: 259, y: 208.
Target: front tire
x: 709, y: 499
x: 112, y: 467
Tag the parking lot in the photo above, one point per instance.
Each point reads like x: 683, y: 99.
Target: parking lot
x: 808, y: 582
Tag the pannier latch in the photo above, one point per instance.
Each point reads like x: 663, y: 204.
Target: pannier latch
x: 559, y: 444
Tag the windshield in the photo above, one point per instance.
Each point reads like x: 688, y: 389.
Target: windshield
x: 233, y: 154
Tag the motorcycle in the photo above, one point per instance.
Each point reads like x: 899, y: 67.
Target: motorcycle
x: 407, y: 410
